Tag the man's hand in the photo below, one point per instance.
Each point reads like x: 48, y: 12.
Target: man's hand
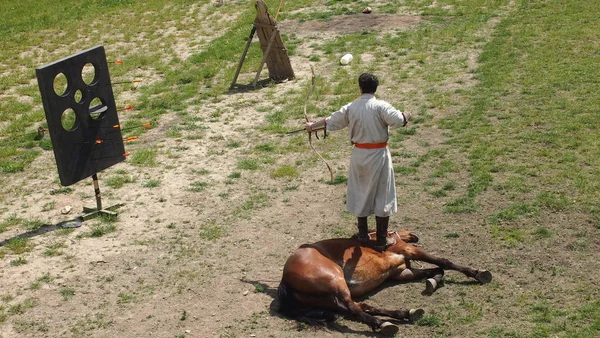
x: 314, y: 126
x: 309, y: 126
x: 406, y: 116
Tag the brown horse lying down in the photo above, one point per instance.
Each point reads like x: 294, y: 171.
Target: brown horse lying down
x: 320, y: 279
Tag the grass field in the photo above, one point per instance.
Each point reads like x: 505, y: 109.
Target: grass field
x: 500, y: 165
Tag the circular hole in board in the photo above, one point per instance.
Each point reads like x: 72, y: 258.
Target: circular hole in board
x: 68, y: 120
x: 78, y: 96
x: 88, y: 73
x: 97, y: 109
x: 60, y: 84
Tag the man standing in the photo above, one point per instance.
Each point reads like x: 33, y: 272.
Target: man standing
x: 371, y: 184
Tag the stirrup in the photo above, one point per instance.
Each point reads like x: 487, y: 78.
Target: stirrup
x: 389, y: 242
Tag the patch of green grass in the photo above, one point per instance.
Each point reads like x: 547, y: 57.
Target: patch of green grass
x: 449, y: 186
x: 286, y: 171
x: 118, y: 181
x: 22, y: 307
x: 54, y: 249
x: 211, y: 231
x: 32, y: 225
x: 89, y: 322
x: 124, y: 298
x: 64, y: 231
x: 429, y: 320
x: 340, y: 231
x: 514, y: 212
x: 460, y: 205
x: 438, y: 193
x: 515, y: 184
x: 201, y: 171
x: 451, y: 235
x: 26, y: 326
x: 443, y: 168
x: 510, y: 235
x: 145, y: 157
x: 259, y: 288
x: 578, y: 245
x: 18, y: 261
x: 472, y: 312
x: 11, y: 221
x: 402, y: 170
x: 541, y: 232
x: 67, y: 293
x: 61, y: 191
x: 553, y: 201
x: 108, y: 218
x: 525, y: 62
x: 266, y: 147
x: 234, y: 144
x: 234, y: 175
x: 339, y: 179
x: 17, y: 162
x: 99, y: 230
x: 48, y: 206
x: 502, y: 331
x: 46, y: 278
x: 198, y: 186
x: 19, y: 245
x: 252, y: 203
x: 153, y: 183
x: 247, y: 164
x: 583, y: 321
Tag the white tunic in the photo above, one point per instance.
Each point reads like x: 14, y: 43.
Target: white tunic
x: 371, y: 185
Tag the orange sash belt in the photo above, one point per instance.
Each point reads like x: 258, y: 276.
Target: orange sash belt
x: 370, y: 145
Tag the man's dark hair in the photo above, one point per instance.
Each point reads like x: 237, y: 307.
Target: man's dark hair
x: 368, y: 83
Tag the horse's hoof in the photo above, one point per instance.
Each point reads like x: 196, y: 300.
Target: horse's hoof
x: 430, y: 286
x: 388, y: 329
x: 483, y: 276
x: 414, y: 237
x: 415, y: 314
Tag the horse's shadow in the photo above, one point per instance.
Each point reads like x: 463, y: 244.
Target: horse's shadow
x: 389, y: 283
x: 274, y: 307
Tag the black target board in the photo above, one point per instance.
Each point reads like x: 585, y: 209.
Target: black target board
x: 81, y: 114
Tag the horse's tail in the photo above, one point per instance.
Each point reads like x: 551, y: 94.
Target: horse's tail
x: 290, y: 307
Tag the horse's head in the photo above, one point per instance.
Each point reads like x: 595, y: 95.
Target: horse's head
x: 407, y: 236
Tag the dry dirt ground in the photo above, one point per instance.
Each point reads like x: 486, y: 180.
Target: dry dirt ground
x: 207, y: 264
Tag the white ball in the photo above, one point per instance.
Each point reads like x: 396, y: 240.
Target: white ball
x: 346, y: 59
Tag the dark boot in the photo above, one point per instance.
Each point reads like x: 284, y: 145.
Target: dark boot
x: 383, y: 242
x: 363, y: 231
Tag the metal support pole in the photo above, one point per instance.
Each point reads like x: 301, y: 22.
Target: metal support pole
x: 97, y: 192
x: 91, y: 212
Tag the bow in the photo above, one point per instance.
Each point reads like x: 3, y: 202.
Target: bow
x: 310, y: 90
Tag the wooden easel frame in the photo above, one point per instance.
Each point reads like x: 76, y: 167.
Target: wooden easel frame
x: 285, y: 69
